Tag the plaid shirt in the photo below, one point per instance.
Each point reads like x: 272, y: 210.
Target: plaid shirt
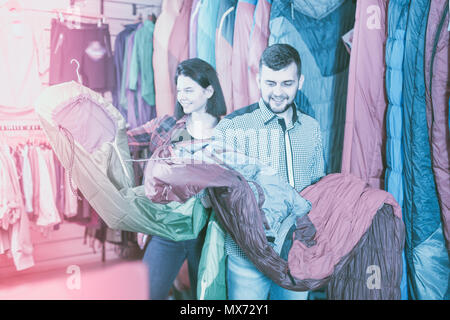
x: 295, y: 151
x: 155, y: 133
x: 158, y: 132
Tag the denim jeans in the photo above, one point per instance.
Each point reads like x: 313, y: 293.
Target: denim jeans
x: 246, y: 282
x: 164, y: 259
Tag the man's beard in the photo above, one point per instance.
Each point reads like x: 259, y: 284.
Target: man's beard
x: 288, y: 105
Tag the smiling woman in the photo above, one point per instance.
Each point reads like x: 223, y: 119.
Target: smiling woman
x: 200, y: 104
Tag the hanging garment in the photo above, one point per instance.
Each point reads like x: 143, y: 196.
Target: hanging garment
x: 90, y: 46
x: 128, y: 49
x: 306, y: 26
x: 437, y: 92
x: 60, y: 187
x: 99, y: 164
x: 164, y: 96
x: 179, y: 42
x: 259, y: 38
x: 343, y: 208
x: 224, y: 49
x: 206, y: 31
x: 193, y: 22
x: 119, y: 57
x: 395, y: 48
x: 27, y: 180
x: 426, y: 253
x: 10, y: 193
x: 131, y: 97
x: 36, y: 184
x: 141, y: 62
x: 365, y: 133
x: 140, y: 77
x: 48, y: 214
x: 241, y: 40
x: 22, y: 61
x: 15, y: 226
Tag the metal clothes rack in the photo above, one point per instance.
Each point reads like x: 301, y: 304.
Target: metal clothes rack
x: 134, y: 6
x: 18, y: 127
x: 97, y: 17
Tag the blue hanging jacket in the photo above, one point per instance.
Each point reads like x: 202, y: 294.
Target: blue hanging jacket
x: 426, y: 254
x: 306, y: 26
x: 206, y: 31
x: 224, y: 49
x: 395, y: 49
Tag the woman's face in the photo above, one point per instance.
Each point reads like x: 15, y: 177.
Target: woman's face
x: 192, y: 96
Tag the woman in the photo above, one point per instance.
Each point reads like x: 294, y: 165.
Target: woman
x: 200, y: 104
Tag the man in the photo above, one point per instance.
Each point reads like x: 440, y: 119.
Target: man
x: 274, y: 131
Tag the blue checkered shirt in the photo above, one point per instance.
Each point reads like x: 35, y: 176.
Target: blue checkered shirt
x: 295, y: 151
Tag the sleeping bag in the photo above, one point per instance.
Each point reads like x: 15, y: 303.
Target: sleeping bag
x: 316, y: 247
x: 88, y: 135
x: 426, y: 253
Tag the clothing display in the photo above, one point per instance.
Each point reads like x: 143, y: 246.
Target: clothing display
x: 347, y: 200
x: 90, y: 46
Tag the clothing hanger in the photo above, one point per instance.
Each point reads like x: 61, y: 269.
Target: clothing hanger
x: 77, y: 70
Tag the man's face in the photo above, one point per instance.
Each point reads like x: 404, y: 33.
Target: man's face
x: 279, y: 88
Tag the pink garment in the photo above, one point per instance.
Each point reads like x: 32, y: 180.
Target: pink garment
x: 16, y: 236
x: 21, y: 60
x: 365, y: 130
x: 437, y: 93
x: 343, y: 207
x: 48, y: 213
x: 193, y: 22
x: 164, y: 26
x: 11, y: 202
x: 242, y: 29
x: 258, y: 42
x: 21, y: 245
x: 35, y: 176
x: 224, y: 57
x: 179, y: 43
x: 27, y: 179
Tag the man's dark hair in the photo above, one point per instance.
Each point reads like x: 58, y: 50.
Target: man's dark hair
x: 279, y: 56
x: 204, y: 74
